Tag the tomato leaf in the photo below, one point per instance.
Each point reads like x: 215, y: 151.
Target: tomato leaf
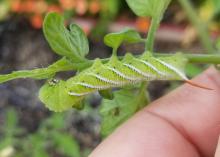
x: 78, y: 40
x: 71, y: 43
x: 128, y: 35
x: 152, y: 8
x: 118, y: 110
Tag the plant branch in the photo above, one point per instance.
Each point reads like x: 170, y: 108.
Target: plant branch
x: 192, y: 58
x: 42, y: 73
x: 155, y: 22
x: 198, y: 24
x: 198, y: 58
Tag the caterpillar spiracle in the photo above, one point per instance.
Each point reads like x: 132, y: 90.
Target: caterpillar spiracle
x: 119, y: 73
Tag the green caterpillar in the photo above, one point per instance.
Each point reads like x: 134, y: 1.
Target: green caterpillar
x: 115, y: 73
x: 130, y: 70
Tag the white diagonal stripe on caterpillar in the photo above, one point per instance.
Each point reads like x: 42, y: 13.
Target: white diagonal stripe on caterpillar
x: 132, y: 79
x: 151, y: 66
x: 78, y: 94
x: 106, y: 80
x: 138, y: 70
x: 172, y: 68
x: 92, y: 86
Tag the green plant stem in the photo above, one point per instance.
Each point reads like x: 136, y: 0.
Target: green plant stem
x: 149, y: 46
x: 45, y: 73
x: 198, y: 24
x: 144, y: 93
x: 41, y: 73
x: 192, y: 58
x: 198, y: 58
x: 155, y: 23
x: 114, y: 52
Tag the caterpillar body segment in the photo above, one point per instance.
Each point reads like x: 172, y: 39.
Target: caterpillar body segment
x: 172, y: 68
x: 128, y: 71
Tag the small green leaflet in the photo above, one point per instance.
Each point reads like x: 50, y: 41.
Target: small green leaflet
x: 79, y: 41
x: 152, y: 8
x: 118, y: 110
x: 128, y: 35
x: 71, y: 43
x: 56, y: 97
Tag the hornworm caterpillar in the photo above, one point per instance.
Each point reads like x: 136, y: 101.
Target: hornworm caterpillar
x: 62, y: 95
x: 130, y: 70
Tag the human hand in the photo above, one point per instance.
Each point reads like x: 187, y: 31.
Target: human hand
x: 184, y: 123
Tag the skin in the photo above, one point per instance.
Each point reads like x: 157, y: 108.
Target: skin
x: 217, y: 153
x: 184, y: 123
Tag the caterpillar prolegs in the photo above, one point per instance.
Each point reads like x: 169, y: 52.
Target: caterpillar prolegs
x: 115, y: 73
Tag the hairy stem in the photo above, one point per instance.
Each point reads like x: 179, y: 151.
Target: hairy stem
x: 198, y: 24
x: 192, y: 58
x: 44, y: 73
x: 198, y: 58
x: 155, y: 22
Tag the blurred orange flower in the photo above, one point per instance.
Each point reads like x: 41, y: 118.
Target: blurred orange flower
x: 28, y: 6
x: 40, y: 7
x: 54, y: 8
x: 81, y: 7
x: 67, y: 4
x: 16, y: 5
x: 142, y: 24
x: 37, y: 21
x: 94, y: 7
